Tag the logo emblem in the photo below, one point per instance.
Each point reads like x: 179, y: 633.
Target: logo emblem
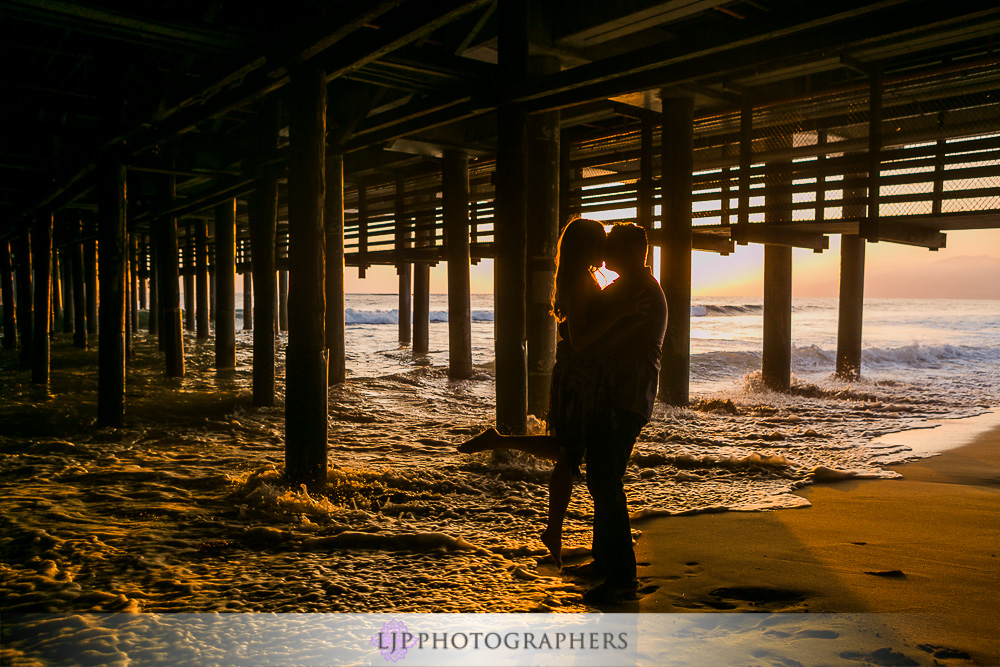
x: 393, y: 640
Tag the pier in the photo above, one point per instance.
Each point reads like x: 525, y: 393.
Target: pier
x: 175, y: 145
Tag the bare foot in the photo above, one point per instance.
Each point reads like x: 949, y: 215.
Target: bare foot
x: 480, y: 443
x: 552, y: 539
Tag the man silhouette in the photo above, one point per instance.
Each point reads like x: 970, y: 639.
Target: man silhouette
x: 631, y: 352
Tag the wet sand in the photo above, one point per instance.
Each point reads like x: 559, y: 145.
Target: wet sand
x: 924, y: 549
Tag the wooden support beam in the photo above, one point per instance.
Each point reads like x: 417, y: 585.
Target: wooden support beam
x: 808, y: 29
x: 114, y: 271
x: 109, y: 24
x: 65, y: 266
x: 421, y: 285
x: 41, y: 262
x: 57, y: 296
x: 403, y: 267
x: 171, y: 332
x: 247, y: 299
x: 202, y: 320
x: 263, y: 227
x: 134, y: 293
x: 282, y: 300
x: 306, y: 354
x: 908, y: 234
x: 870, y: 225
x: 851, y: 307
x: 188, y: 272
x: 542, y: 153
x: 455, y: 196
x: 746, y: 159
x: 333, y: 221
x: 154, y: 290
x: 114, y: 324
x: 25, y: 307
x: 79, y: 292
x: 776, y: 355
x: 362, y: 228
x: 7, y: 298
x: 712, y: 243
x: 646, y: 195
x: 677, y: 162
x: 510, y: 210
x: 784, y: 235
x: 90, y: 277
x: 225, y: 282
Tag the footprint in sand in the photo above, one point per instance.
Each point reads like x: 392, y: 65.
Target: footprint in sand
x: 693, y: 569
x: 942, y: 653
x: 883, y: 656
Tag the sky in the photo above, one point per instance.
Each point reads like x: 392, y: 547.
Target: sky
x: 968, y: 267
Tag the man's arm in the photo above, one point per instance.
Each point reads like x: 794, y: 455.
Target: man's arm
x: 627, y: 326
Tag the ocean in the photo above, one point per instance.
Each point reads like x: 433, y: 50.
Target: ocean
x: 183, y: 509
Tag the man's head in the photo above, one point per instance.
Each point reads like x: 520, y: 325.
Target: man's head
x: 625, y: 250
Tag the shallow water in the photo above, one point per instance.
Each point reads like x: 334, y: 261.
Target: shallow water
x: 183, y: 509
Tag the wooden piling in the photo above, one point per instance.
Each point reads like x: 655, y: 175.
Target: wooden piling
x: 776, y: 355
x: 455, y: 196
x: 282, y: 300
x: 333, y: 220
x: 114, y: 272
x: 677, y: 160
x: 422, y: 284
x: 852, y: 286
x: 306, y: 355
x: 542, y: 222
x: 169, y: 298
x: 247, y: 300
x: 510, y: 266
x: 263, y: 226
x: 851, y: 307
x: 79, y: 291
x: 189, y: 275
x: 41, y: 262
x: 142, y: 271
x: 403, y: 267
x: 154, y: 300
x: 201, y: 280
x: 225, y: 281
x: 66, y: 266
x: 25, y: 308
x: 133, y: 299
x: 7, y: 297
x: 90, y: 277
x: 57, y: 293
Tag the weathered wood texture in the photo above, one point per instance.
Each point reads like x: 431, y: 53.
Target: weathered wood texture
x: 455, y: 196
x: 677, y: 145
x: 171, y: 331
x: 306, y: 355
x: 542, y: 230
x: 7, y: 296
x: 333, y: 221
x: 41, y: 262
x: 25, y: 308
x: 114, y: 272
x: 225, y: 281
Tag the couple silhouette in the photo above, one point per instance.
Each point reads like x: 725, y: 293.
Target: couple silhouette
x: 602, y: 393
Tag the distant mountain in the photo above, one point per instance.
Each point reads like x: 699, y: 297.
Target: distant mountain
x: 953, y: 278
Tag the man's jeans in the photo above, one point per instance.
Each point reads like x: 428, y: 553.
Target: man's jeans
x: 608, y: 450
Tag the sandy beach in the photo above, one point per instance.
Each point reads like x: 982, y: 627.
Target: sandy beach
x: 921, y: 550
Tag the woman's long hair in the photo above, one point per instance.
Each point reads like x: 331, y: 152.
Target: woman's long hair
x: 579, y: 244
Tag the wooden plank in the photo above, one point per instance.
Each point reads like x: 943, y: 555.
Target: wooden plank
x: 902, y: 233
